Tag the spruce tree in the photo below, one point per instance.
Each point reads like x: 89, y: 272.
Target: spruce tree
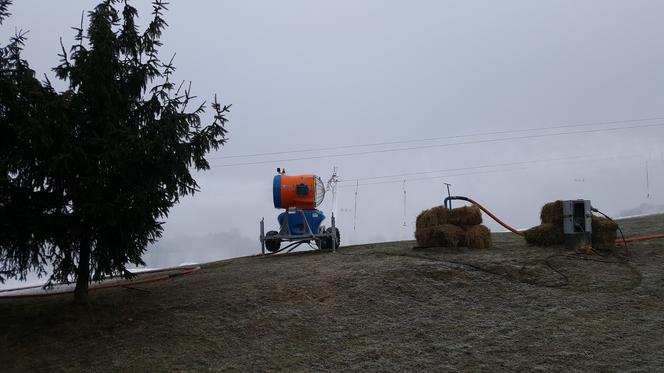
x: 33, y: 129
x: 127, y: 144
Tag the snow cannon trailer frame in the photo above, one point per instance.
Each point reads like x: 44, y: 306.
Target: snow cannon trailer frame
x: 324, y: 239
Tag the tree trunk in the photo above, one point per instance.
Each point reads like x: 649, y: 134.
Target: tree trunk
x: 82, y: 276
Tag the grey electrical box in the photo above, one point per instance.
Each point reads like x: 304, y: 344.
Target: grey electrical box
x: 577, y: 223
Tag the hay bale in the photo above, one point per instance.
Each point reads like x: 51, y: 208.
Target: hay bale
x: 465, y: 216
x: 423, y: 236
x: 439, y: 215
x: 422, y: 220
x: 478, y: 237
x: 442, y: 214
x: 426, y: 219
x: 552, y: 213
x: 545, y: 234
x: 445, y: 235
x: 604, y: 233
x: 449, y: 235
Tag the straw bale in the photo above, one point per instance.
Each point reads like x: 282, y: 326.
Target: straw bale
x: 461, y: 216
x: 545, y: 235
x: 422, y: 220
x: 442, y: 214
x: 445, y: 235
x: 604, y: 233
x: 478, y: 237
x: 465, y: 216
x: 426, y: 219
x: 552, y: 213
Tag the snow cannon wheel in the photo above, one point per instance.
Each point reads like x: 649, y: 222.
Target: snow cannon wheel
x: 272, y: 244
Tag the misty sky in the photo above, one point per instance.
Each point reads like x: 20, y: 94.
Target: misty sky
x: 305, y: 74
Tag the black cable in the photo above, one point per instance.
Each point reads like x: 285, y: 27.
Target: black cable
x: 580, y: 256
x: 476, y: 267
x: 593, y: 209
x: 506, y: 275
x: 136, y: 289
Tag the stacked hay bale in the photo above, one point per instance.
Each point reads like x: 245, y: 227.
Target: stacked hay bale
x: 440, y: 226
x: 604, y: 233
x: 550, y: 232
x: 545, y: 234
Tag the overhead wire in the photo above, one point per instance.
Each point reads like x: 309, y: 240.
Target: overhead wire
x: 435, y: 177
x: 489, y: 133
x: 516, y: 163
x: 483, y: 141
x: 524, y: 165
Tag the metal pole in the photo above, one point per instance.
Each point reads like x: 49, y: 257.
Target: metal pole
x: 357, y: 185
x: 448, y: 193
x: 647, y: 181
x: 404, y: 203
x: 334, y: 234
x: 332, y: 186
x: 263, y: 236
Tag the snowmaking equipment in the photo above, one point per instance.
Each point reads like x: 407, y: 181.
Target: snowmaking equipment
x: 301, y: 221
x: 577, y: 223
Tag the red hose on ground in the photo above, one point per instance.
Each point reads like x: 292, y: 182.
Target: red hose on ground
x: 183, y: 271
x: 513, y: 230
x: 641, y: 238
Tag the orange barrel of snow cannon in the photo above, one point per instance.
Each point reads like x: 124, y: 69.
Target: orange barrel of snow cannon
x: 301, y: 191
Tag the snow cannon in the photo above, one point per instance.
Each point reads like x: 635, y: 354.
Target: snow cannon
x: 301, y: 191
x: 300, y: 196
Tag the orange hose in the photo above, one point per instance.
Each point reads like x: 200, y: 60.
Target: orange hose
x: 641, y: 238
x: 184, y: 271
x: 494, y: 217
x: 515, y: 231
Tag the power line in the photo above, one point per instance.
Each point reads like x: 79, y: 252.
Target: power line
x: 466, y: 168
x: 520, y: 163
x: 434, y: 177
x: 438, y: 145
x: 492, y: 133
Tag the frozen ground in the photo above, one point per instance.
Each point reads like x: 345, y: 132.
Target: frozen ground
x: 36, y: 286
x: 372, y: 307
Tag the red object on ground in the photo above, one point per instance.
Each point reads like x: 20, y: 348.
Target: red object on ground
x: 641, y: 238
x: 515, y: 231
x: 494, y: 217
x: 182, y: 271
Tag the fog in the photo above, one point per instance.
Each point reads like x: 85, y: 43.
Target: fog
x: 304, y: 75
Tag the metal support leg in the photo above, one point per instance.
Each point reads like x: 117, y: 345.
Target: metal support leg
x: 262, y: 238
x: 306, y: 224
x: 334, y: 234
x: 284, y: 230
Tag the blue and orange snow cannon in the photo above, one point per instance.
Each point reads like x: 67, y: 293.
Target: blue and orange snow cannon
x: 299, y: 196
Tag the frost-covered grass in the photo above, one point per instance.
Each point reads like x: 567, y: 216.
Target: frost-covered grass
x: 370, y: 307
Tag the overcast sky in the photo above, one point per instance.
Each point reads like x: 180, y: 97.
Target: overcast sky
x: 307, y: 74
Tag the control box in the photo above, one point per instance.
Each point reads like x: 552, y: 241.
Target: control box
x: 577, y: 223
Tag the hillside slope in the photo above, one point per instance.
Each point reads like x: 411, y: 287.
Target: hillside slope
x: 372, y: 307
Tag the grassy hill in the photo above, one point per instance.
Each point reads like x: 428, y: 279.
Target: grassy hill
x: 371, y: 307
